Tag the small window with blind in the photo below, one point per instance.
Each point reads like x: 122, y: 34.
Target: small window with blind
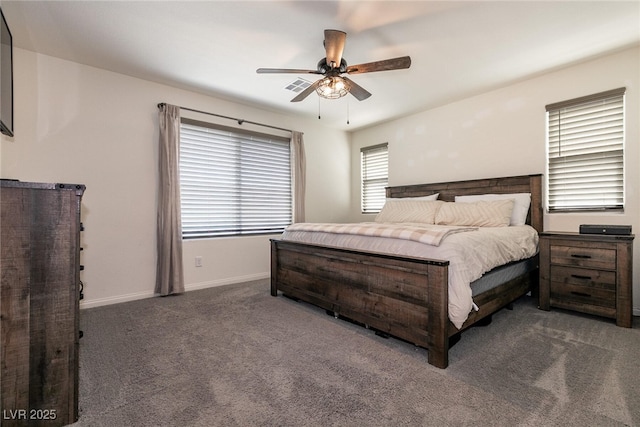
x: 232, y: 181
x: 585, y: 153
x: 375, y: 177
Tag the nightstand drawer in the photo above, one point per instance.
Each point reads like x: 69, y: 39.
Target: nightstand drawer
x: 582, y: 286
x: 583, y: 257
x: 584, y: 276
x: 570, y: 296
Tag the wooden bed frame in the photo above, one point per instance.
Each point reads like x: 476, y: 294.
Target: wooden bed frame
x: 401, y: 296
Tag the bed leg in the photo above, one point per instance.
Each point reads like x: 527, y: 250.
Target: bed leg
x: 437, y: 306
x: 274, y: 269
x: 439, y: 356
x: 485, y: 321
x: 455, y: 339
x: 381, y: 334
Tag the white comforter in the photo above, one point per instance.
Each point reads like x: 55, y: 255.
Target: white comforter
x: 470, y: 255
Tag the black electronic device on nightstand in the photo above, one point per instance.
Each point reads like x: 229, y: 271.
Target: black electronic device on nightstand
x: 607, y: 229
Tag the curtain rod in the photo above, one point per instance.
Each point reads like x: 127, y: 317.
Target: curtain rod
x: 240, y: 121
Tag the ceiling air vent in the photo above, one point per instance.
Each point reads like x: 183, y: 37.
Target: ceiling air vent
x: 298, y: 85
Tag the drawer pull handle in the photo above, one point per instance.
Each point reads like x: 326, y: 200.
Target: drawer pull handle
x: 577, y: 276
x: 581, y: 294
x: 581, y: 256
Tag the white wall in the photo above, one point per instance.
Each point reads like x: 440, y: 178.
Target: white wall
x: 79, y: 124
x: 502, y: 133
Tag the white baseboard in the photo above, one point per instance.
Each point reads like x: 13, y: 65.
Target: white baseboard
x: 229, y: 281
x: 115, y: 300
x: 191, y: 287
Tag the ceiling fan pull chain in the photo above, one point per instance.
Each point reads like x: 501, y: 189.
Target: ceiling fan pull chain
x: 347, y: 111
x: 318, y: 108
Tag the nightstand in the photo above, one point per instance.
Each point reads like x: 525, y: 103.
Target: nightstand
x: 589, y: 273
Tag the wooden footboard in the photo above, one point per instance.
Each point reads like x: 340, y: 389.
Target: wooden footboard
x: 404, y: 297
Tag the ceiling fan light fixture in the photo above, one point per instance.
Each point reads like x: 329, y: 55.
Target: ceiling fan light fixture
x: 332, y: 87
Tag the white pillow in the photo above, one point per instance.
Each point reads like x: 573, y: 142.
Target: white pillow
x: 409, y: 210
x: 520, y: 208
x: 483, y: 213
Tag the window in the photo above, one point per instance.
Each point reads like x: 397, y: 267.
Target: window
x: 374, y: 167
x: 585, y: 142
x: 233, y: 182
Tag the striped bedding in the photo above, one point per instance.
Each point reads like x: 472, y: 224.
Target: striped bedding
x: 428, y: 234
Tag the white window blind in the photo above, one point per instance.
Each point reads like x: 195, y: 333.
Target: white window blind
x: 585, y: 140
x: 374, y: 166
x: 233, y: 182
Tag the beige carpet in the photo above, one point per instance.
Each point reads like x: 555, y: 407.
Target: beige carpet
x: 235, y: 356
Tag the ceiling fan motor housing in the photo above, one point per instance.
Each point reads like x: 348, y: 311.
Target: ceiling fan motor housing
x: 323, y: 67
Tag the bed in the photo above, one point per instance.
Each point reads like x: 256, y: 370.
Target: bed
x: 405, y: 296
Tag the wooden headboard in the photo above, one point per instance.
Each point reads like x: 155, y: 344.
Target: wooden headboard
x: 511, y: 184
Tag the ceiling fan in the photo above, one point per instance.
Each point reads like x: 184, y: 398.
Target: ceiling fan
x: 334, y: 85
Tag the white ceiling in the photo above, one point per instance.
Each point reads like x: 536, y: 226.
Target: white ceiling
x: 458, y: 49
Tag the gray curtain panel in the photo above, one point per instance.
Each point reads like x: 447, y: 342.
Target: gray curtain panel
x: 299, y: 175
x: 169, y: 272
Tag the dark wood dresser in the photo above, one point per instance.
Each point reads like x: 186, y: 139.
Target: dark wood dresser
x: 39, y: 303
x: 588, y: 273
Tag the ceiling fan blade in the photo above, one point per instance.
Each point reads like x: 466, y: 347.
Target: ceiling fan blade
x: 385, y: 65
x: 356, y: 90
x: 302, y: 95
x: 285, y: 70
x: 334, y: 45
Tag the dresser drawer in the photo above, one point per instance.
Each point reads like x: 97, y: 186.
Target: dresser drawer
x: 600, y: 258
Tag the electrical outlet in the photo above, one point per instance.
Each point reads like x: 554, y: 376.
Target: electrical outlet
x: 198, y: 261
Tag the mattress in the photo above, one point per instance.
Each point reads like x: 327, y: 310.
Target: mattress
x: 503, y: 274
